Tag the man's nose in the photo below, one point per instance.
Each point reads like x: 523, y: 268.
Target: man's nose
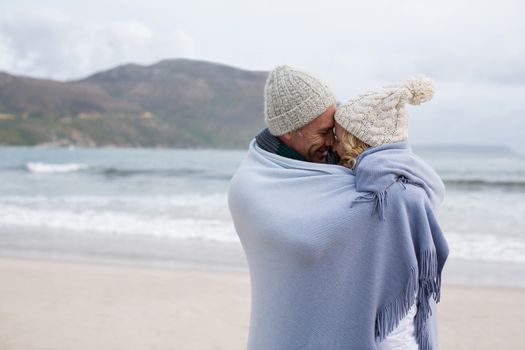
x: 330, y: 139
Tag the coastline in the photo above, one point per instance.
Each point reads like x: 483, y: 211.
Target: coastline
x: 71, y: 305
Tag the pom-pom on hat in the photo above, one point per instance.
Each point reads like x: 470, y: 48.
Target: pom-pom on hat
x: 379, y: 117
x: 293, y: 98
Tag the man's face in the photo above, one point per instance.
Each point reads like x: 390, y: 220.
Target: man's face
x: 313, y: 140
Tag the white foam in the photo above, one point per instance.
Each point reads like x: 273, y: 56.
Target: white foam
x: 186, y: 217
x: 49, y: 168
x: 181, y: 205
x: 204, y: 217
x: 484, y: 247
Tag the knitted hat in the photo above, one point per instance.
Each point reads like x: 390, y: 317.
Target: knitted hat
x: 292, y: 99
x: 379, y: 117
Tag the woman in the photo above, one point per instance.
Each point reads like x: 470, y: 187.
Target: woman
x: 371, y: 134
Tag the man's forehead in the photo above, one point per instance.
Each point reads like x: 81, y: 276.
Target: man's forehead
x: 326, y: 122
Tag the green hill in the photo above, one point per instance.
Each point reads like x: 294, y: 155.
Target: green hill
x: 174, y: 103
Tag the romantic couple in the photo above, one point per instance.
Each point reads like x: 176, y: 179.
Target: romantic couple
x: 340, y: 231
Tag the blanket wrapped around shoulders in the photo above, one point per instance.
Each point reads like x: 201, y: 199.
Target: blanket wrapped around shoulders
x: 337, y: 257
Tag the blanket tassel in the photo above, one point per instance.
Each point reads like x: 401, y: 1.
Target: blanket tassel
x: 426, y: 284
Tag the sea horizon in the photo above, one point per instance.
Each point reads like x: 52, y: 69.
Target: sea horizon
x: 497, y: 148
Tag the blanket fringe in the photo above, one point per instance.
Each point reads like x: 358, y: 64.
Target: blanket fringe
x: 429, y: 287
x: 389, y: 317
x: 427, y: 283
x: 380, y: 197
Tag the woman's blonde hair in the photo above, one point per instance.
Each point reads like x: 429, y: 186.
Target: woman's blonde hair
x: 353, y: 148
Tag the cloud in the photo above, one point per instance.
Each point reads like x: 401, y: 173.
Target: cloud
x: 51, y: 44
x: 471, y: 113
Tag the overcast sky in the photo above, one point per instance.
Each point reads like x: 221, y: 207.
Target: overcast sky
x: 474, y: 50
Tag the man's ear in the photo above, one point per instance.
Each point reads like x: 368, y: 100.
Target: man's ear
x: 286, y: 137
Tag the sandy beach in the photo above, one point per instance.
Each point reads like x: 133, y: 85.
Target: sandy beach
x: 64, y: 306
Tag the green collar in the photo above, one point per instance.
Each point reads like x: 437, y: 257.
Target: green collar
x: 272, y: 144
x: 287, y: 152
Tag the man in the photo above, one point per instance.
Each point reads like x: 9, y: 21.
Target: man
x: 299, y: 111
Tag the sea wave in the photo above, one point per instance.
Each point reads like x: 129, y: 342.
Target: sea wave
x: 203, y: 217
x: 188, y: 216
x: 171, y: 172
x: 473, y: 183
x: 118, y: 222
x: 501, y: 181
x: 212, y: 205
x: 116, y: 172
x: 124, y: 172
x: 484, y: 247
x: 49, y: 168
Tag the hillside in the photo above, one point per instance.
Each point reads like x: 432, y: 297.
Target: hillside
x: 174, y: 103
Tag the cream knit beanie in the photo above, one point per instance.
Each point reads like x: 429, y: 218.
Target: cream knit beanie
x: 379, y: 117
x: 292, y: 99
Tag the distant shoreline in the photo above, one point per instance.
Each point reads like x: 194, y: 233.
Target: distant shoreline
x: 449, y: 148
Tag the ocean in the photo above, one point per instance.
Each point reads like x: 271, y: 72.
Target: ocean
x: 144, y: 204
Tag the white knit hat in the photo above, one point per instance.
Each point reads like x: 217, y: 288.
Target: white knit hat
x: 379, y: 117
x: 292, y: 99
